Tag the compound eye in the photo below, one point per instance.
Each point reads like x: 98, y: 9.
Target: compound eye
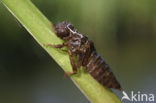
x: 63, y: 32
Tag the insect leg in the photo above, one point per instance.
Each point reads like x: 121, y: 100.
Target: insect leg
x: 60, y: 46
x: 79, y: 60
x: 74, y: 67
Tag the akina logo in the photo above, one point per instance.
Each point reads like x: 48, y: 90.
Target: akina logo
x: 137, y: 97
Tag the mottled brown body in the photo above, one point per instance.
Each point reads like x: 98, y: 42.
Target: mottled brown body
x: 86, y: 55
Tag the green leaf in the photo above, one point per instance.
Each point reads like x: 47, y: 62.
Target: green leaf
x: 40, y: 28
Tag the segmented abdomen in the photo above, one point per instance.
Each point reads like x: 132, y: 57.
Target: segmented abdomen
x: 97, y: 67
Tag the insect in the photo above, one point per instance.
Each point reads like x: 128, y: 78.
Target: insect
x: 86, y: 55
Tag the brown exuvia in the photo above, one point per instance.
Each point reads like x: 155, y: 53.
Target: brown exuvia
x: 86, y: 55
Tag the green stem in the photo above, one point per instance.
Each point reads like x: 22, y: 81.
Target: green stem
x: 40, y: 28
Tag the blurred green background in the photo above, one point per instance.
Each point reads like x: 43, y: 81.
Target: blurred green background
x: 124, y: 33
